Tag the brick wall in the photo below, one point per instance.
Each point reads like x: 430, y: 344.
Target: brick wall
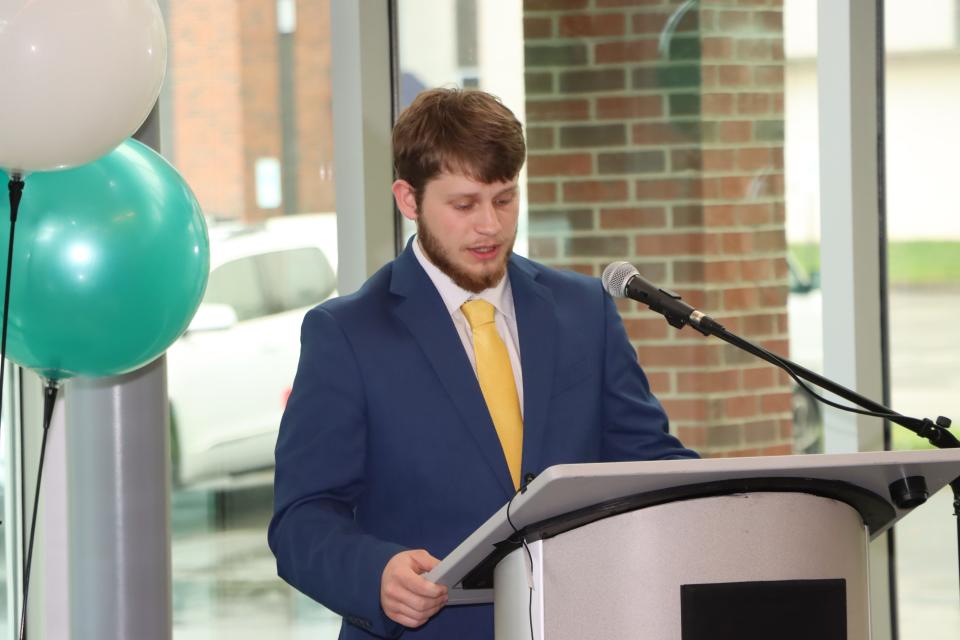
x: 656, y: 136
x: 206, y: 118
x: 224, y: 75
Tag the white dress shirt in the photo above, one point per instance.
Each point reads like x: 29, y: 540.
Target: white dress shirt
x: 505, y: 318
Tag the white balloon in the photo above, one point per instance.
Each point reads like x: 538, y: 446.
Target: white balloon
x: 79, y: 76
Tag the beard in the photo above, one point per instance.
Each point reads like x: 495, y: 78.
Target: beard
x: 464, y: 279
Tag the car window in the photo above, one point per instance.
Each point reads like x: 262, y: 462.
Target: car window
x: 235, y: 283
x: 296, y: 278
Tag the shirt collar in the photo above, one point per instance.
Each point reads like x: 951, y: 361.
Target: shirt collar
x: 453, y: 295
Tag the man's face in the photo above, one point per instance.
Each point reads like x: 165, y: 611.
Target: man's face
x: 466, y: 228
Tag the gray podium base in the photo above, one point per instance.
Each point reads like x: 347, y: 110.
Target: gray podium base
x: 621, y: 577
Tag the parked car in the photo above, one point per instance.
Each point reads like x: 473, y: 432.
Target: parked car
x: 230, y: 374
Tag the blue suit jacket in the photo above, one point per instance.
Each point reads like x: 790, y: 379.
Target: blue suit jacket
x: 386, y: 443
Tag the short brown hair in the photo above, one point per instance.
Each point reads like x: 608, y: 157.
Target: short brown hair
x: 458, y: 130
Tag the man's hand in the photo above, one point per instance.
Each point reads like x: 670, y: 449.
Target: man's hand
x: 406, y: 596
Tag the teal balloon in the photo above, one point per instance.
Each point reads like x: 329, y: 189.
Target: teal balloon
x: 110, y: 262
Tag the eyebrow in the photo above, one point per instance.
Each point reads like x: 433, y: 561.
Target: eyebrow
x: 473, y: 194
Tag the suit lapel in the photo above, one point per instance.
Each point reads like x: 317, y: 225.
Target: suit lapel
x: 420, y: 308
x: 537, y: 326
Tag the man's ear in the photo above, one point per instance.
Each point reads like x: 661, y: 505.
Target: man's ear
x: 406, y: 199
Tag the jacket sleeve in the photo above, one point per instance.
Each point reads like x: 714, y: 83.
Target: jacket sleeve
x: 320, y: 460
x: 635, y: 426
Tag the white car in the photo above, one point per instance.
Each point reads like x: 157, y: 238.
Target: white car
x: 230, y: 374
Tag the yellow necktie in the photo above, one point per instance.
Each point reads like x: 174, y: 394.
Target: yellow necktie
x: 497, y: 382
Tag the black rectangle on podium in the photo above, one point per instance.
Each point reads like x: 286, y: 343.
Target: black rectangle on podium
x: 760, y: 610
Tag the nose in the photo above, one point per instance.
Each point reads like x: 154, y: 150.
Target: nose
x: 488, y: 221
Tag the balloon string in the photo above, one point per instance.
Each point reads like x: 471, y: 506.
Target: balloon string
x: 15, y: 187
x: 49, y: 401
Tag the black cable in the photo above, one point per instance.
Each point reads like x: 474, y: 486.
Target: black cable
x: 49, y: 400
x: 523, y: 542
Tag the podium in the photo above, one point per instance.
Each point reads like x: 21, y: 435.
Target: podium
x: 691, y: 549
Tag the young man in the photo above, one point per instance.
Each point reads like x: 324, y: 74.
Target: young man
x: 422, y: 400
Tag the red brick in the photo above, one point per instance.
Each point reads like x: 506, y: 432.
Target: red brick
x: 740, y: 298
x: 779, y: 450
x: 547, y: 110
x: 722, y: 271
x: 760, y: 378
x: 708, y: 381
x: 596, y: 246
x: 734, y: 20
x: 754, y: 49
x: 668, y: 189
x: 543, y: 248
x: 603, y: 24
x: 643, y: 50
x: 777, y: 403
x: 759, y: 324
x: 777, y: 52
x: 649, y: 22
x: 720, y: 215
x: 717, y: 48
x: 769, y: 74
x: 646, y: 328
x: 579, y: 267
x: 659, y: 381
x: 756, y: 270
x: 755, y: 214
x: 764, y: 431
x: 740, y: 407
x: 679, y: 355
x: 734, y: 75
x: 537, y: 28
x: 541, y: 192
x: 753, y: 103
x: 692, y: 437
x: 733, y: 187
x: 573, y: 164
x: 718, y: 159
x: 686, y: 160
x: 665, y: 133
x: 539, y: 138
x: 770, y: 240
x: 686, y: 409
x: 709, y: 76
x: 735, y: 132
x: 774, y: 296
x: 595, y: 191
x: 605, y: 4
x: 769, y: 21
x: 553, y: 5
x: 670, y: 244
x: 633, y: 218
x: 755, y: 158
x: 717, y: 104
x: 724, y: 435
x: 737, y: 242
x: 630, y: 107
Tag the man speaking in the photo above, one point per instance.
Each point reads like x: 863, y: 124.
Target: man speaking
x: 423, y: 400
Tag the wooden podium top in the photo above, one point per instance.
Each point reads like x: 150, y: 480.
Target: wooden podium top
x: 565, y: 489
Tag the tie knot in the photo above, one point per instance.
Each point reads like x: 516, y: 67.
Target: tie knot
x: 478, y: 312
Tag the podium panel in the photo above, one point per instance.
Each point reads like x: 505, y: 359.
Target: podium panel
x: 790, y: 565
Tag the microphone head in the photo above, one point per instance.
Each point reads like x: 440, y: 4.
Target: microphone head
x: 616, y: 276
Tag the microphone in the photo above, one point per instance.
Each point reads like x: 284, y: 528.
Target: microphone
x: 622, y: 280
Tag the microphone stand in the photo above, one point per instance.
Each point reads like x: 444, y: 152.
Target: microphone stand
x: 906, y: 493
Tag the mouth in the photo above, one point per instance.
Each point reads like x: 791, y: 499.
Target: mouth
x: 485, y: 252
